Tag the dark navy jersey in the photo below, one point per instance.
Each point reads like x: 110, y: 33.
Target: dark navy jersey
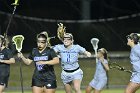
x: 5, y: 54
x: 46, y: 55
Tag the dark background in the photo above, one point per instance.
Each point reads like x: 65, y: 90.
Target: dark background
x: 85, y: 19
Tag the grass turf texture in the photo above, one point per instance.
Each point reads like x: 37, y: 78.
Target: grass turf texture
x: 83, y: 91
x: 116, y: 78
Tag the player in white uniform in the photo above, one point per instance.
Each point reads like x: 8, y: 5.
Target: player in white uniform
x: 71, y: 72
x: 133, y: 42
x: 100, y: 78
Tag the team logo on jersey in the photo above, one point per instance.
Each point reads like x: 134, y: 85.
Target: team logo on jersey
x: 69, y: 52
x: 40, y: 58
x: 44, y: 54
x: 49, y: 85
x: 2, y: 83
x: 1, y: 56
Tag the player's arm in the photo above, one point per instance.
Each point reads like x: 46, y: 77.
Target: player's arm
x: 88, y: 54
x: 54, y: 61
x: 105, y: 64
x: 83, y: 51
x: 10, y: 61
x: 25, y: 60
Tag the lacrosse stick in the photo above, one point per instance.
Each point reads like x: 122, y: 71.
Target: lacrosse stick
x: 94, y: 42
x: 15, y: 4
x: 119, y: 67
x: 18, y: 41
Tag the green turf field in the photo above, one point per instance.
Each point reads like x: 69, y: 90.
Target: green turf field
x: 62, y: 91
x: 117, y: 79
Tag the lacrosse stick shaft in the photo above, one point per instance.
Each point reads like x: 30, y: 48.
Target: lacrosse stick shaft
x: 6, y: 32
x: 10, y: 21
x: 21, y: 77
x: 119, y: 67
x: 96, y: 55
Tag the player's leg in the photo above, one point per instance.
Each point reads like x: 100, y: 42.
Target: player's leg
x: 77, y: 85
x: 37, y: 85
x: 91, y: 85
x: 97, y: 91
x: 2, y: 88
x: 3, y: 82
x: 89, y: 89
x: 49, y: 90
x: 50, y: 86
x: 77, y: 78
x: 36, y: 89
x: 66, y: 78
x: 132, y: 87
x: 68, y: 88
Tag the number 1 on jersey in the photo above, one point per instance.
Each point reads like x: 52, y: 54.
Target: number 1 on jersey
x: 68, y: 57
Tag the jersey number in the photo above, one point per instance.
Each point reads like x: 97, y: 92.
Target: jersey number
x: 68, y: 57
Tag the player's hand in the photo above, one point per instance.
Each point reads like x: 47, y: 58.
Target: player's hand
x: 101, y: 59
x: 1, y: 61
x: 88, y: 54
x: 20, y: 55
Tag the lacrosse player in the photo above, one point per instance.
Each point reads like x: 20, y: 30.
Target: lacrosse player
x: 100, y: 77
x: 133, y: 42
x: 69, y: 53
x: 44, y: 58
x: 6, y: 58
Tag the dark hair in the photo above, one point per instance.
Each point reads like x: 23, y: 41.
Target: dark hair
x: 134, y: 37
x: 3, y: 40
x: 48, y: 38
x: 42, y: 36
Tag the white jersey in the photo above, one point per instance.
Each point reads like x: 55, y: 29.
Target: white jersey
x: 69, y: 57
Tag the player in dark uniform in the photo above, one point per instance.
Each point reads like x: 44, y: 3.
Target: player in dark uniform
x: 6, y: 58
x: 44, y: 58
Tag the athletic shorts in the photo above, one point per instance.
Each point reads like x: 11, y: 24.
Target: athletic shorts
x: 41, y: 81
x: 135, y: 77
x: 98, y: 84
x: 4, y: 80
x: 67, y: 77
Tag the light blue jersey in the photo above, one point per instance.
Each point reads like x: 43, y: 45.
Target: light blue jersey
x: 135, y: 58
x: 100, y: 70
x: 135, y: 61
x: 69, y: 61
x: 69, y: 57
x: 100, y: 78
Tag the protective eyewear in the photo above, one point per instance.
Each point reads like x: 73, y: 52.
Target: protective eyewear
x: 42, y: 41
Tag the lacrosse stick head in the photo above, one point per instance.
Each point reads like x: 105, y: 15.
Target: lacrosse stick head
x: 61, y: 30
x: 94, y: 42
x: 18, y: 41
